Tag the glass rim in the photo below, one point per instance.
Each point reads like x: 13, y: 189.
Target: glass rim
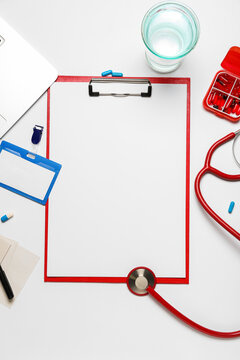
x: 190, y: 12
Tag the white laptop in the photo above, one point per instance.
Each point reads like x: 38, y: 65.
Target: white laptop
x: 24, y: 76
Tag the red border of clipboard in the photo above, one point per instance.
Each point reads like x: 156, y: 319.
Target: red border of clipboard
x: 106, y: 279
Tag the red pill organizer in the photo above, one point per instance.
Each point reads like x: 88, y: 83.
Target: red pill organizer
x: 223, y: 96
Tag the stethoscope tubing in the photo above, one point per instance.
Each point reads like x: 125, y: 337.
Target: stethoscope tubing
x: 211, y: 170
x: 185, y: 319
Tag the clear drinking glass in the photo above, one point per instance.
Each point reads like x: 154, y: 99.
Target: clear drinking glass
x: 170, y: 30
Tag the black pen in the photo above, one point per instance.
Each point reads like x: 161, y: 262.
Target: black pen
x: 5, y: 284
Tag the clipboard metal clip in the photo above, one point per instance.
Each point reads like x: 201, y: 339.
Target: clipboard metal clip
x: 148, y: 93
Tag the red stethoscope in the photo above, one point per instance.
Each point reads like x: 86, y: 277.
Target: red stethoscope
x: 211, y: 170
x: 142, y: 281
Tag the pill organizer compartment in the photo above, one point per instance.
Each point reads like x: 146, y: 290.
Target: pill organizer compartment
x: 223, y: 96
x: 236, y: 89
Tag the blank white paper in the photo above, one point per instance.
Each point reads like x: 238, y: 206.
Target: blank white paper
x: 120, y: 200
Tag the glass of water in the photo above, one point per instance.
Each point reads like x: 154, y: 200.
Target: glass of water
x: 170, y: 30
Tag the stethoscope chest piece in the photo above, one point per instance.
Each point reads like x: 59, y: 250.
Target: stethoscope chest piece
x: 139, y: 279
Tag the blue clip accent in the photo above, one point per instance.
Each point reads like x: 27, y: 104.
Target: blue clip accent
x: 231, y: 206
x: 37, y: 134
x: 117, y: 74
x: 106, y: 73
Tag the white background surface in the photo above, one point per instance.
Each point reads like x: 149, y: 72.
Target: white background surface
x: 89, y: 321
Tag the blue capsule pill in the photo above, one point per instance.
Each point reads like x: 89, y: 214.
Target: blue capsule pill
x: 6, y: 217
x: 231, y: 206
x: 106, y: 73
x: 117, y: 74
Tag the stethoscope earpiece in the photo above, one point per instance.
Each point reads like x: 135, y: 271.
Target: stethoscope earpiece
x: 237, y: 133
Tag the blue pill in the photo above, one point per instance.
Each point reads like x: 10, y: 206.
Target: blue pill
x: 117, y: 74
x: 6, y: 217
x: 231, y: 206
x: 106, y: 73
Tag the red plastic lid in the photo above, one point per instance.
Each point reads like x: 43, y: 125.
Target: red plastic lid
x: 231, y: 62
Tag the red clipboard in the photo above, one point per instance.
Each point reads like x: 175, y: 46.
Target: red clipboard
x: 123, y: 279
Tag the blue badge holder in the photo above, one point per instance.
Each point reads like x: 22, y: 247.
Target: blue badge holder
x: 26, y: 173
